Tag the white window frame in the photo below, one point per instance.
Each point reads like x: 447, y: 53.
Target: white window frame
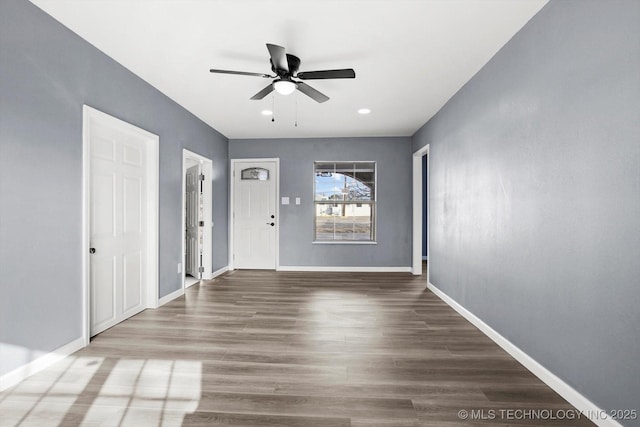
x: 373, y: 203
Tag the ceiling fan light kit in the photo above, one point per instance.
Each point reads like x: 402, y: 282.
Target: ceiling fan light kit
x: 284, y: 87
x: 286, y: 68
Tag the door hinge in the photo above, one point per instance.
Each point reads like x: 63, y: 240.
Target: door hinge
x: 201, y: 177
x: 201, y: 269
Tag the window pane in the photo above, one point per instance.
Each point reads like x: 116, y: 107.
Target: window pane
x: 344, y: 181
x: 365, y: 176
x: 255, y: 174
x: 325, y: 167
x: 344, y: 221
x: 328, y: 188
x: 358, y: 190
x: 346, y: 168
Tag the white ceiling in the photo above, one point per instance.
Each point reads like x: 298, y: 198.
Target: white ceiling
x: 410, y: 56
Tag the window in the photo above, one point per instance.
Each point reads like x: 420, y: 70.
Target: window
x: 345, y: 201
x: 255, y: 174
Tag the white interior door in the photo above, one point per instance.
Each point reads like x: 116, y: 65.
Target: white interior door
x: 193, y: 207
x: 118, y: 213
x: 254, y: 215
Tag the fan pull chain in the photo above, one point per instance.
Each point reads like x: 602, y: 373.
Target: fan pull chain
x: 296, y: 123
x: 273, y: 108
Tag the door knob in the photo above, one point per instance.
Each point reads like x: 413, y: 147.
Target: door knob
x: 92, y: 250
x: 271, y: 223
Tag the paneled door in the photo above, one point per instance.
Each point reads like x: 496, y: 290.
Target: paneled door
x: 193, y: 198
x: 118, y: 215
x: 254, y: 214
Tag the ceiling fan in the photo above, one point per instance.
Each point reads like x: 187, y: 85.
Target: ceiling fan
x: 286, y: 67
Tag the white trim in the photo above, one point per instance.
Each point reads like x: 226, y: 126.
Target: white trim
x: 153, y: 209
x: 580, y: 402
x: 218, y: 272
x: 344, y: 242
x: 346, y: 269
x: 25, y: 371
x: 232, y: 178
x: 189, y: 282
x: 231, y: 189
x: 206, y: 168
x: 416, y: 256
x: 168, y: 298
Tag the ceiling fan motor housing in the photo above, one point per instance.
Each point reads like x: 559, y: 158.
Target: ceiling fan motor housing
x: 294, y: 65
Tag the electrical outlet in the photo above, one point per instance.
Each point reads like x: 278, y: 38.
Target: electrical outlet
x: 179, y: 267
x: 297, y: 200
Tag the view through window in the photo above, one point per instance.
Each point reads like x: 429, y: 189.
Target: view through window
x: 345, y: 201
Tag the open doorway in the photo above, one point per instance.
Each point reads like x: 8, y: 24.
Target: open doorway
x: 420, y: 248
x: 197, y: 223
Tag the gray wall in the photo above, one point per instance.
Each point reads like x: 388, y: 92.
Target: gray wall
x: 46, y: 74
x: 535, y: 195
x: 393, y: 157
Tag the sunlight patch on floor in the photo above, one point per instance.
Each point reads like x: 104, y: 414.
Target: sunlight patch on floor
x: 90, y: 391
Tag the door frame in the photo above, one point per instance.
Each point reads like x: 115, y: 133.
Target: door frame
x: 151, y: 287
x: 232, y: 168
x: 206, y: 168
x: 416, y: 256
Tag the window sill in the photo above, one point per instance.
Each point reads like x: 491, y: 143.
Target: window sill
x: 344, y: 242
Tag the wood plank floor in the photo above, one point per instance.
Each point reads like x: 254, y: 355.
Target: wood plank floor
x: 263, y: 348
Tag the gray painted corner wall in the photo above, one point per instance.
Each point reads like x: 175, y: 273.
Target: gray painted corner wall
x: 47, y: 73
x: 393, y: 157
x: 535, y: 195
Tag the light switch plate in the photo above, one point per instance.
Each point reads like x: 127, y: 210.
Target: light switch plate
x: 297, y: 200
x: 285, y: 200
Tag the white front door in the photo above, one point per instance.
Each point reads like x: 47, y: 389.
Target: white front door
x: 254, y: 214
x: 193, y: 198
x: 118, y: 216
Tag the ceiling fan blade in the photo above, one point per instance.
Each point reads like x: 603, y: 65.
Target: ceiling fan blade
x: 241, y: 73
x: 311, y: 92
x: 278, y: 57
x: 264, y: 92
x: 346, y: 73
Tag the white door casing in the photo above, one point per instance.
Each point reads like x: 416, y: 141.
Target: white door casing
x: 416, y: 256
x: 120, y: 220
x: 189, y: 159
x: 193, y: 217
x: 254, y: 214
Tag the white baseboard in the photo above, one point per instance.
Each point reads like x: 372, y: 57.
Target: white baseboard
x: 218, y: 272
x: 190, y: 281
x: 585, y: 406
x: 346, y: 269
x: 167, y: 298
x: 25, y: 371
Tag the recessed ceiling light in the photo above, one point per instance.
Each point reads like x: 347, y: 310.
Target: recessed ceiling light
x: 364, y: 111
x: 267, y: 112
